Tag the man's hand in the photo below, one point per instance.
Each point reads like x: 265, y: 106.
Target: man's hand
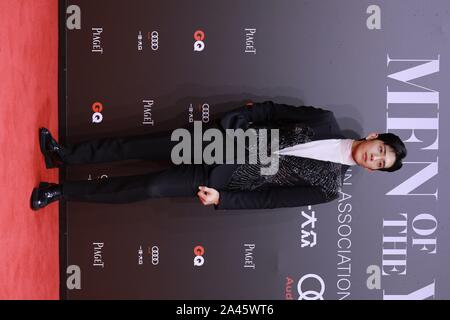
x: 208, y: 196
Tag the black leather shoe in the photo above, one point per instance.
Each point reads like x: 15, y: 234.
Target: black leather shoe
x: 52, y: 151
x: 43, y: 195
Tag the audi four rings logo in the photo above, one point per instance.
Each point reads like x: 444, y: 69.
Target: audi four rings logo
x: 154, y: 40
x: 199, y: 36
x: 311, y: 294
x: 205, y: 113
x: 154, y: 251
x: 97, y: 116
x: 199, y: 260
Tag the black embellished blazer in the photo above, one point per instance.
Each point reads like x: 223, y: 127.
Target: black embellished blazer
x: 299, y: 181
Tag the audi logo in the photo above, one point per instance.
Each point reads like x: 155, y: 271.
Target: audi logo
x: 155, y: 255
x: 154, y: 40
x: 311, y: 294
x: 205, y: 113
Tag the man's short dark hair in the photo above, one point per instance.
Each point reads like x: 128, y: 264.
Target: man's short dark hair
x: 397, y: 146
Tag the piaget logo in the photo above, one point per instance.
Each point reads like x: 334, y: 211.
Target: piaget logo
x: 250, y: 40
x: 97, y: 40
x: 148, y: 117
x: 98, y: 254
x: 249, y: 261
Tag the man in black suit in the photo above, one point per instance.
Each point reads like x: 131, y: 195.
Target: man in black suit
x: 306, y: 176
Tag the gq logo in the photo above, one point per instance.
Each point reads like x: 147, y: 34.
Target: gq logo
x: 199, y: 36
x: 199, y: 251
x: 97, y: 116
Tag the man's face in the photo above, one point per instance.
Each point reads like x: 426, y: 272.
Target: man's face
x: 373, y: 154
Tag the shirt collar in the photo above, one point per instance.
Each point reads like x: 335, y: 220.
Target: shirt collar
x: 346, y: 152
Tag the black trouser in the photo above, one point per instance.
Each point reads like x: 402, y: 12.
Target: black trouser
x: 178, y: 181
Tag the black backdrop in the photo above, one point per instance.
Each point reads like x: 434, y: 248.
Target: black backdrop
x: 131, y: 68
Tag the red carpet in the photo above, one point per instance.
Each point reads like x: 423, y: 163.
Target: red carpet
x: 29, y: 247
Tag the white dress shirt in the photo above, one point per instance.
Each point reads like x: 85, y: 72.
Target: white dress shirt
x: 334, y: 150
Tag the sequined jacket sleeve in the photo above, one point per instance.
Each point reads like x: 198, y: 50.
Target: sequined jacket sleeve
x: 270, y: 112
x: 275, y: 197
